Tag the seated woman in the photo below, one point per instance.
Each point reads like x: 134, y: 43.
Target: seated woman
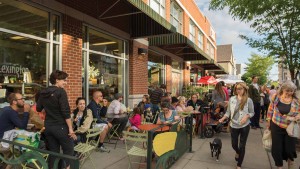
x: 135, y: 120
x: 82, y: 119
x: 167, y: 116
x: 104, y: 107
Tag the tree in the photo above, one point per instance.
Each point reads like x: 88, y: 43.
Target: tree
x: 277, y: 23
x: 259, y: 66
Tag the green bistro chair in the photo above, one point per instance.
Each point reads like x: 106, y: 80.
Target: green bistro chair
x: 86, y: 149
x: 134, y: 146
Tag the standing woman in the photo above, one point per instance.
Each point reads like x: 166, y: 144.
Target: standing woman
x: 284, y: 109
x: 218, y: 95
x: 58, y: 126
x: 240, y: 109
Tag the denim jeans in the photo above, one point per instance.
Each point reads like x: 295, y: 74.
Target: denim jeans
x: 239, y: 147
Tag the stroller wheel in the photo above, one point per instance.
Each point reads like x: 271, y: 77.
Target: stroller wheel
x: 208, y: 132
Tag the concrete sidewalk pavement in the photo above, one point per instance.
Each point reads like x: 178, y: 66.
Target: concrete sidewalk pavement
x: 255, y: 158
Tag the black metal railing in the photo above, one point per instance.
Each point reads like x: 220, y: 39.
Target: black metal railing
x: 22, y: 155
x: 183, y: 142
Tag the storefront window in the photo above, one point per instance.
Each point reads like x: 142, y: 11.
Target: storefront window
x: 105, y: 44
x: 27, y: 51
x: 24, y: 19
x: 155, y: 69
x: 104, y: 65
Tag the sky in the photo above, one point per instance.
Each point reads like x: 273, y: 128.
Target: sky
x: 227, y: 32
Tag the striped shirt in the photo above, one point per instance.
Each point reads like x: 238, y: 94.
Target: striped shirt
x: 278, y: 118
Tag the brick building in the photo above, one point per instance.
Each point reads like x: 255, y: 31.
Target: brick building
x: 125, y: 46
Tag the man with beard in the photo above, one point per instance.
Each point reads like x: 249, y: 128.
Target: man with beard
x: 15, y: 115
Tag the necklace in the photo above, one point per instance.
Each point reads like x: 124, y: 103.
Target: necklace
x: 286, y: 100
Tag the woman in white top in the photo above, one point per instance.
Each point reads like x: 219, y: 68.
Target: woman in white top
x: 240, y: 109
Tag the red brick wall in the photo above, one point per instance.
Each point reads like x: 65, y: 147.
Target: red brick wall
x: 138, y: 69
x: 169, y: 74
x: 72, y: 57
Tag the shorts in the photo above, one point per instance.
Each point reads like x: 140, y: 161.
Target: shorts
x: 100, y: 125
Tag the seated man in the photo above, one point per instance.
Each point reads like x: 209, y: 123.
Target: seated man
x: 95, y: 107
x: 115, y: 108
x: 14, y: 116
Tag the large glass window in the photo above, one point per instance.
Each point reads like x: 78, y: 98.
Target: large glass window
x: 200, y: 39
x: 156, y: 69
x: 158, y: 6
x: 176, y: 16
x: 192, y: 31
x: 29, y: 49
x: 210, y: 50
x: 104, y: 61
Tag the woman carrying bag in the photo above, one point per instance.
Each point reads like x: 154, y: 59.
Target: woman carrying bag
x: 240, y: 110
x: 283, y: 110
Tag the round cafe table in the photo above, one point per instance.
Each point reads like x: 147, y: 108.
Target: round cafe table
x: 148, y: 127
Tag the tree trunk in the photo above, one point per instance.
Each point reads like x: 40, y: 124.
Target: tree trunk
x: 292, y: 72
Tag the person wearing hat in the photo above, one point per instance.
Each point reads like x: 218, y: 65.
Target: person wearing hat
x: 115, y: 107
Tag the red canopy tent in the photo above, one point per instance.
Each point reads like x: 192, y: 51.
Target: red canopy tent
x: 207, y: 80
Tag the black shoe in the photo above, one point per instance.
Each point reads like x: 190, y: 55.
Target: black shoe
x: 253, y: 127
x: 259, y: 127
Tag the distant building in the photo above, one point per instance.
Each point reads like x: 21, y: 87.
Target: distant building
x: 226, y: 58
x: 283, y: 73
x: 240, y: 69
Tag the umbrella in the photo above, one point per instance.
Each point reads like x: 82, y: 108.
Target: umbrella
x: 207, y: 80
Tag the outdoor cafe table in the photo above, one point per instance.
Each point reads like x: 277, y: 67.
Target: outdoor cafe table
x: 148, y: 127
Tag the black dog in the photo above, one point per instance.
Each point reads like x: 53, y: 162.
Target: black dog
x: 215, y: 147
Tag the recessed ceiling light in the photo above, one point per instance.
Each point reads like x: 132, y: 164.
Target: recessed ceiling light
x: 103, y: 43
x: 17, y: 37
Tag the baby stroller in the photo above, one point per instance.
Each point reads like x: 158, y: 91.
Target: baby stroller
x: 213, y: 125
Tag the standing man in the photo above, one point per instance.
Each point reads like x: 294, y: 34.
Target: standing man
x: 254, y: 94
x: 96, y: 110
x: 155, y: 98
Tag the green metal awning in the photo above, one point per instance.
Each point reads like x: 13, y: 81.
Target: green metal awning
x: 132, y: 16
x: 210, y: 65
x: 179, y: 45
x: 148, y: 18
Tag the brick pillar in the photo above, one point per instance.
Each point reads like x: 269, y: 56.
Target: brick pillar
x: 169, y: 74
x: 168, y: 10
x: 138, y: 73
x: 72, y: 57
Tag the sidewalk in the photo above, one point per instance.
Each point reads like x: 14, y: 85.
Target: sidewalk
x: 256, y: 157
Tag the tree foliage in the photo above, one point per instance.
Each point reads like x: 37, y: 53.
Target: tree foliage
x: 277, y: 23
x: 259, y: 66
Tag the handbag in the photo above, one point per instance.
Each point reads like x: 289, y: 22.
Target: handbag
x: 234, y: 113
x: 267, y: 140
x: 293, y: 129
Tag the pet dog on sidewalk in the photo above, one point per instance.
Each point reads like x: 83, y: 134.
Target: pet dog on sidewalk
x: 215, y: 147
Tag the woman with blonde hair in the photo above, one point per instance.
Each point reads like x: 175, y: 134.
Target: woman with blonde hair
x: 181, y: 107
x: 240, y: 109
x: 284, y: 108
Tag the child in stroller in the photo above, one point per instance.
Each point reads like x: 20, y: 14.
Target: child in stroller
x: 213, y: 125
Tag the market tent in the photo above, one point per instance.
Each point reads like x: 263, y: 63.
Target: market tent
x: 207, y: 80
x: 230, y: 81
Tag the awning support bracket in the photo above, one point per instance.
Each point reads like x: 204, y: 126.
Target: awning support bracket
x: 109, y: 8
